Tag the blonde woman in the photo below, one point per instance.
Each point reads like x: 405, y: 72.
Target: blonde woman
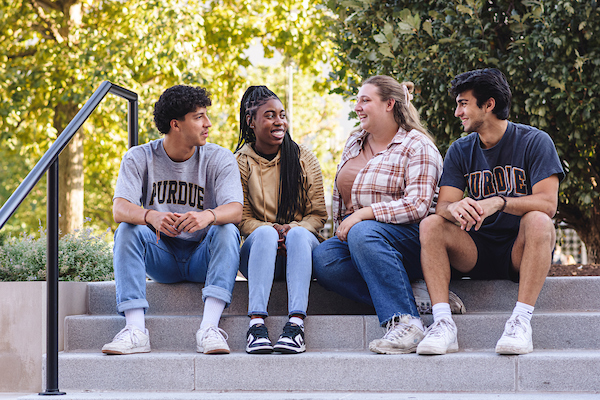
x: 384, y: 186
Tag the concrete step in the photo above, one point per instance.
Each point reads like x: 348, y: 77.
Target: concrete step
x: 303, y: 395
x: 476, y: 331
x: 558, y: 294
x: 462, y: 372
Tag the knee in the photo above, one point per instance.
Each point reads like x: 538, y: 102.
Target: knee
x: 298, y: 233
x: 361, y: 232
x: 226, y: 233
x: 538, y: 225
x: 127, y: 232
x: 265, y: 233
x: 431, y: 227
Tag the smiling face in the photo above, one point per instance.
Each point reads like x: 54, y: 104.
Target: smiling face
x: 270, y: 126
x: 371, y: 110
x: 472, y: 117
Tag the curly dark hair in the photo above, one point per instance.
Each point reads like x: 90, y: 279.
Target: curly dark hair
x: 176, y: 102
x: 486, y: 84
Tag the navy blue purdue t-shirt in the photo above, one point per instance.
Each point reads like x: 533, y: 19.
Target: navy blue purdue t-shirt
x: 523, y: 157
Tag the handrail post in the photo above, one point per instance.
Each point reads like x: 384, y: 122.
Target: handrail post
x: 132, y: 126
x: 52, y: 282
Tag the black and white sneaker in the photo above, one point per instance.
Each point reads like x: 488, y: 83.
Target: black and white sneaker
x: 291, y: 340
x: 257, y: 340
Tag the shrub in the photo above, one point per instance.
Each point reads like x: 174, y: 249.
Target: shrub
x: 82, y: 256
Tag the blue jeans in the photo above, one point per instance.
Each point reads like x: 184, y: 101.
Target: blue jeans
x: 214, y: 261
x: 375, y: 266
x: 260, y: 264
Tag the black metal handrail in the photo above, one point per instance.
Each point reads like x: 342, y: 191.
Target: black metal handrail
x: 49, y: 163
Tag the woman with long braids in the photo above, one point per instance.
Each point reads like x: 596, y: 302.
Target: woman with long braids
x: 385, y: 185
x: 284, y: 209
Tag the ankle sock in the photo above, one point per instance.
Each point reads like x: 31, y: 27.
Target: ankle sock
x: 213, y: 308
x: 297, y: 321
x: 135, y: 317
x: 441, y: 310
x: 523, y: 310
x: 256, y: 321
x: 416, y: 322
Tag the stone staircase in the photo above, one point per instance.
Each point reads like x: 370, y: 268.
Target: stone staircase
x: 566, y: 357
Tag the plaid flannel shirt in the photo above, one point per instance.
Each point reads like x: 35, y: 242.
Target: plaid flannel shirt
x: 399, y: 183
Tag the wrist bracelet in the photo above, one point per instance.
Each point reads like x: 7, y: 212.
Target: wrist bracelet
x: 503, y: 205
x: 214, y: 215
x: 146, y: 214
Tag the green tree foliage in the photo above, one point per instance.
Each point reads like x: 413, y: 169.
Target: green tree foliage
x: 550, y: 52
x: 55, y: 53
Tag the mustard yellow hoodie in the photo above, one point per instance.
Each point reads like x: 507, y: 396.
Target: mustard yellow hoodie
x: 260, y: 182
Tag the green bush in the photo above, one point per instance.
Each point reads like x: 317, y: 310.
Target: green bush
x: 82, y: 256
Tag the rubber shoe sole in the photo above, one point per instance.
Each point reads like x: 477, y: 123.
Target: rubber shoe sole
x: 434, y: 350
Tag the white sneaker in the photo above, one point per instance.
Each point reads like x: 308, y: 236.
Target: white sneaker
x: 211, y: 341
x: 128, y: 341
x: 424, y: 301
x: 401, y: 338
x: 440, y: 338
x: 516, y: 338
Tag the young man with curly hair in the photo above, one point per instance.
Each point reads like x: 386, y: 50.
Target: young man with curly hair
x: 177, y: 201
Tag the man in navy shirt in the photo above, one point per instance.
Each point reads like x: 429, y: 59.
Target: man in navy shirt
x: 503, y: 228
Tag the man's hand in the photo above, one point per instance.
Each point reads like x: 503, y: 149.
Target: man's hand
x: 471, y: 213
x: 193, y: 221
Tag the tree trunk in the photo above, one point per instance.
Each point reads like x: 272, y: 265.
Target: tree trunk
x: 588, y: 230
x: 70, y: 172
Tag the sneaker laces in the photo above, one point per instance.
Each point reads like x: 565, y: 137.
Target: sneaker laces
x: 515, y: 327
x: 291, y: 330
x: 259, y: 331
x: 212, y: 332
x: 396, y: 329
x: 436, y: 329
x: 126, y: 335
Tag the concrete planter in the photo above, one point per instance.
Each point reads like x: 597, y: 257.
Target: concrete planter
x: 23, y: 329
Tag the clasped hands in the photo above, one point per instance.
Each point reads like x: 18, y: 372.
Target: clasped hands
x: 172, y: 224
x: 470, y: 213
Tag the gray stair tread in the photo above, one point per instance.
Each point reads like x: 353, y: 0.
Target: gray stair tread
x: 540, y: 371
x: 270, y: 395
x: 551, y: 330
x: 558, y: 293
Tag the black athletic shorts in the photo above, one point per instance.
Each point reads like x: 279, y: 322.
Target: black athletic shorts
x: 493, y: 256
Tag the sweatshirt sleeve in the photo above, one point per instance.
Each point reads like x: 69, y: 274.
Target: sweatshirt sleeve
x: 315, y: 214
x: 249, y: 223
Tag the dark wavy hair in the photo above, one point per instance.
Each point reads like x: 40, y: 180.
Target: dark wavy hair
x: 486, y: 84
x: 292, y: 194
x: 176, y: 102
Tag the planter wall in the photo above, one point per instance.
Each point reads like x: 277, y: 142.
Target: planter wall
x: 23, y: 329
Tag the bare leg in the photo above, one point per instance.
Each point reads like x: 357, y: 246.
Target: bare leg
x: 444, y: 244
x: 532, y: 254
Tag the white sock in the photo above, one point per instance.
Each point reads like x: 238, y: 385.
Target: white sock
x: 135, y: 317
x: 213, y: 308
x: 441, y: 310
x: 297, y: 321
x: 256, y: 321
x: 523, y: 310
x: 416, y: 322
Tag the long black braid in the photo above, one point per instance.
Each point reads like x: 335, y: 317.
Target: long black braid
x: 292, y: 194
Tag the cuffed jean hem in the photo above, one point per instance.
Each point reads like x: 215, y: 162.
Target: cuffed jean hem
x: 384, y: 323
x: 262, y: 314
x: 217, y: 293
x: 297, y: 312
x: 131, y: 304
